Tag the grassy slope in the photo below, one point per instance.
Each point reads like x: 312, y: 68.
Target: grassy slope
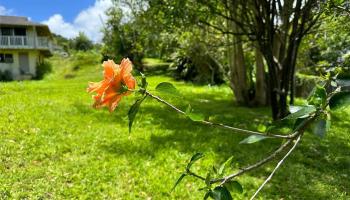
x: 54, y: 145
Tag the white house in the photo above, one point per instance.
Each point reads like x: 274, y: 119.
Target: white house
x: 23, y: 45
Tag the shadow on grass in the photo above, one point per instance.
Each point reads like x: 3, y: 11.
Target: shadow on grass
x: 160, y: 69
x: 313, y: 165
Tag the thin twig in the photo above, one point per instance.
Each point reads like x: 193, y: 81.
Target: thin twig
x: 298, y: 132
x: 277, y: 166
x: 243, y: 131
x: 254, y: 166
x: 195, y: 175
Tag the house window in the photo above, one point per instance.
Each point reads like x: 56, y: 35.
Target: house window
x: 6, y: 58
x: 20, y: 31
x: 6, y: 31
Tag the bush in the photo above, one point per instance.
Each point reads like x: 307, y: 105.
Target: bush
x: 198, y: 66
x: 345, y: 74
x: 304, y: 84
x: 6, y: 75
x: 85, y: 58
x: 82, y: 43
x: 42, y: 69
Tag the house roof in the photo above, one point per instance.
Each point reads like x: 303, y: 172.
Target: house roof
x: 22, y: 21
x: 15, y: 20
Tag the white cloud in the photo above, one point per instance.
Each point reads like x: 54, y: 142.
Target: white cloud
x: 90, y: 21
x: 5, y: 11
x: 59, y: 26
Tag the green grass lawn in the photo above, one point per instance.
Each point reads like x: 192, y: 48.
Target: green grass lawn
x: 53, y: 145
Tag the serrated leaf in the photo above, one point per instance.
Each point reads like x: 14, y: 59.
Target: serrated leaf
x: 305, y: 111
x: 133, y: 111
x: 178, y: 181
x: 220, y: 193
x: 223, y: 166
x: 168, y: 88
x: 253, y: 138
x: 234, y: 186
x: 194, y: 158
x: 194, y: 116
x: 339, y: 100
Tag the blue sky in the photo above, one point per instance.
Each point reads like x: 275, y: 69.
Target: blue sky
x: 40, y: 10
x: 64, y: 17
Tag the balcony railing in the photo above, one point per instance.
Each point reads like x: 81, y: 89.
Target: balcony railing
x: 24, y: 42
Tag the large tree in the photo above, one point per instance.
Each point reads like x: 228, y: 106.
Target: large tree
x: 277, y: 28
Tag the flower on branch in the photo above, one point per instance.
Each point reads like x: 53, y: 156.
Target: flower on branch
x: 118, y: 82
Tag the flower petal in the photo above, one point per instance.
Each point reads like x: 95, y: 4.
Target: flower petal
x: 129, y: 81
x: 108, y: 91
x: 114, y: 103
x: 108, y: 69
x: 93, y: 86
x: 125, y: 67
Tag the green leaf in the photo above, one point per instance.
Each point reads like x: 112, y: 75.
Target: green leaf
x: 194, y: 116
x: 207, y: 195
x: 178, y: 181
x: 262, y: 128
x: 322, y: 126
x: 215, y: 170
x: 143, y: 81
x: 123, y: 88
x: 234, y: 186
x: 168, y: 88
x: 334, y: 84
x: 293, y: 109
x: 340, y: 100
x: 194, y: 158
x: 300, y: 122
x: 318, y: 97
x: 207, y: 179
x: 220, y: 193
x: 305, y: 111
x: 133, y: 111
x: 223, y: 166
x: 253, y: 138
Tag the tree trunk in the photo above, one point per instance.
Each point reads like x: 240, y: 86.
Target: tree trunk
x: 260, y: 87
x: 238, y: 73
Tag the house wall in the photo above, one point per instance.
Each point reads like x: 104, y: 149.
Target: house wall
x: 35, y: 48
x: 14, y: 67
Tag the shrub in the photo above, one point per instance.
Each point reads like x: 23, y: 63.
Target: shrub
x: 42, y: 69
x: 82, y: 42
x: 345, y: 74
x: 85, y: 58
x: 6, y: 75
x: 304, y: 84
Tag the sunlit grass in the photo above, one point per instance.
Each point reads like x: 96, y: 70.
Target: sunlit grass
x: 55, y: 146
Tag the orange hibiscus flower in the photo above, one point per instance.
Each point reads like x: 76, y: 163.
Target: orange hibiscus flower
x: 117, y: 82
